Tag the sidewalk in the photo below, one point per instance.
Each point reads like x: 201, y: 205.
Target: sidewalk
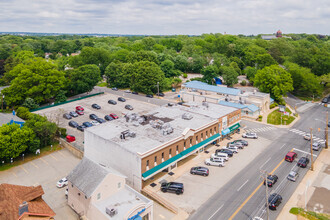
x: 318, y: 179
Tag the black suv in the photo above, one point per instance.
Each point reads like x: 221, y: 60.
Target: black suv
x: 100, y: 120
x: 73, y: 124
x: 203, y: 171
x: 149, y: 95
x: 121, y: 99
x: 93, y: 116
x: 113, y: 102
x: 303, y: 162
x: 274, y: 200
x: 226, y: 151
x: 67, y: 116
x: 271, y: 180
x: 172, y: 187
x: 96, y: 106
x: 129, y: 107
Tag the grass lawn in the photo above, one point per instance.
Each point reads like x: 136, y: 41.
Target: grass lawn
x: 102, y: 84
x: 309, y: 215
x: 275, y: 117
x: 28, y: 157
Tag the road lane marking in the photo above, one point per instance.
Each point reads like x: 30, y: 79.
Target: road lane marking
x: 53, y: 157
x: 24, y: 169
x: 61, y: 153
x: 34, y: 165
x: 43, y: 161
x: 250, y: 196
x: 265, y: 163
x: 160, y: 215
x: 242, y: 185
x: 282, y: 146
x: 216, y: 212
x: 14, y: 174
x: 304, y: 152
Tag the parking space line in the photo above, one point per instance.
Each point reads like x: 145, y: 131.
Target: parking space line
x: 264, y: 163
x: 216, y: 212
x: 34, y: 164
x: 282, y: 146
x: 43, y: 161
x: 53, y: 156
x: 14, y: 173
x: 24, y: 169
x: 160, y: 215
x: 242, y: 185
x: 304, y: 152
x: 61, y: 153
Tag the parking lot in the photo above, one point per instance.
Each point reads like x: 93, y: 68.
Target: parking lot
x: 46, y: 171
x: 55, y: 113
x: 198, y: 189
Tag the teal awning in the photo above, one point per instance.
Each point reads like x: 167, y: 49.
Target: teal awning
x: 226, y: 131
x: 234, y: 127
x: 178, y: 156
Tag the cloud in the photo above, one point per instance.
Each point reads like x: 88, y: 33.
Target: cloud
x: 165, y: 16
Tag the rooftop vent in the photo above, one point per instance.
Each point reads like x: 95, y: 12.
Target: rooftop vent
x: 111, y: 211
x: 167, y: 129
x: 156, y: 124
x: 187, y: 116
x: 127, y: 133
x: 205, y: 104
x: 22, y: 208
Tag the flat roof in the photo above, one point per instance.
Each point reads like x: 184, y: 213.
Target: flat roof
x: 123, y: 201
x: 218, y: 89
x: 148, y: 137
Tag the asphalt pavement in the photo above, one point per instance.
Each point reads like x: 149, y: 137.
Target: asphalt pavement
x: 243, y: 197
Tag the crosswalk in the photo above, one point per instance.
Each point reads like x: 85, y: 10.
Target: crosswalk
x: 263, y: 129
x: 305, y: 106
x: 303, y: 133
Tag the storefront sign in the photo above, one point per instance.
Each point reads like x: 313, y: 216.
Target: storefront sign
x: 234, y: 127
x: 137, y: 215
x: 224, y: 122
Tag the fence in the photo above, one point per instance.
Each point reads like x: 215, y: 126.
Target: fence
x: 62, y: 103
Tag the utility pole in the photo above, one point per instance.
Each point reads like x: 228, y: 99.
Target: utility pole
x: 264, y: 176
x: 158, y: 88
x: 312, y: 162
x: 2, y: 97
x: 326, y: 133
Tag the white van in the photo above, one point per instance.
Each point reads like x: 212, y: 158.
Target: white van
x: 214, y: 162
x: 232, y: 148
x: 220, y: 155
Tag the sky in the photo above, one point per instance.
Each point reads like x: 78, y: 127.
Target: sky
x: 166, y: 17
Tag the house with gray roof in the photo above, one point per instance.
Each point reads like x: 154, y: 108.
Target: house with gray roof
x: 99, y: 192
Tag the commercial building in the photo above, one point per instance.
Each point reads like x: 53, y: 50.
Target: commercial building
x: 98, y: 192
x: 140, y: 146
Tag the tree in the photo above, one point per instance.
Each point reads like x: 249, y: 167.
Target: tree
x: 263, y: 60
x: 209, y: 73
x: 181, y: 63
x: 167, y: 67
x: 61, y: 97
x: 229, y: 75
x: 250, y: 72
x: 197, y: 64
x: 14, y: 140
x: 274, y: 80
x: 23, y: 113
x: 236, y: 68
x: 143, y: 56
x: 5, y: 51
x: 172, y: 44
x: 84, y: 78
x: 30, y: 103
x: 38, y: 79
x: 118, y: 74
x: 239, y: 62
x: 145, y: 76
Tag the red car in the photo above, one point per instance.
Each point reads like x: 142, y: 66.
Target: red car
x: 79, y: 108
x: 79, y: 112
x: 70, y: 138
x: 114, y: 116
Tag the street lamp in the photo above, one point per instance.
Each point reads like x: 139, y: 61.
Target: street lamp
x: 23, y: 156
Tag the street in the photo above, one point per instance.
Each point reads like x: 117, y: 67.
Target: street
x: 243, y: 197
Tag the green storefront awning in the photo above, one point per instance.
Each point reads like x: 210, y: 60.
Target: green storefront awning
x: 234, y: 127
x: 178, y: 156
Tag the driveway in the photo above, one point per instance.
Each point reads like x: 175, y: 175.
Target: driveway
x: 46, y: 171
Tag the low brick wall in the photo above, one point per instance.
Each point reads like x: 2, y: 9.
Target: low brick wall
x: 78, y: 153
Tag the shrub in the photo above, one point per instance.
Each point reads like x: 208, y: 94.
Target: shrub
x: 23, y: 113
x: 273, y: 105
x: 243, y: 83
x: 30, y: 103
x: 185, y: 75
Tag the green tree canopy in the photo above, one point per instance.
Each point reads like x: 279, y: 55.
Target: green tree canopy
x: 209, y: 73
x: 84, y: 78
x: 229, y: 75
x: 118, y: 74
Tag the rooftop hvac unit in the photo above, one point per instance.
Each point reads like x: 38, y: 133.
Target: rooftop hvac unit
x: 187, y: 116
x: 156, y: 124
x: 205, y: 104
x: 111, y: 211
x: 127, y: 133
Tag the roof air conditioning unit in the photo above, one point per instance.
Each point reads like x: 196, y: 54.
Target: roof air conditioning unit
x: 187, y: 116
x: 111, y: 211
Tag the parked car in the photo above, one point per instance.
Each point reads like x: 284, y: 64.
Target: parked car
x: 73, y: 124
x: 96, y: 106
x: 325, y: 100
x: 95, y: 123
x: 127, y: 91
x: 79, y: 108
x: 135, y: 93
x: 231, y: 148
x: 250, y: 135
x: 203, y: 171
x: 79, y: 112
x: 170, y: 104
x: 149, y: 95
x: 328, y: 124
x: 87, y: 124
x: 274, y: 200
x: 121, y: 99
x: 112, y: 102
x: 108, y: 118
x: 237, y: 144
x: 115, y: 88
x: 129, y: 107
x: 308, y: 137
x: 100, y: 120
x: 316, y: 146
x: 290, y: 156
x: 67, y: 116
x: 180, y: 103
x: 81, y: 128
x: 161, y: 94
x: 214, y: 162
x: 73, y: 114
x: 271, y: 180
x: 93, y: 116
x: 244, y: 142
x: 172, y: 187
x: 293, y: 175
x: 302, y: 162
x: 226, y: 151
x: 61, y: 183
x: 114, y: 116
x: 66, y: 192
x: 223, y: 156
x: 70, y: 138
